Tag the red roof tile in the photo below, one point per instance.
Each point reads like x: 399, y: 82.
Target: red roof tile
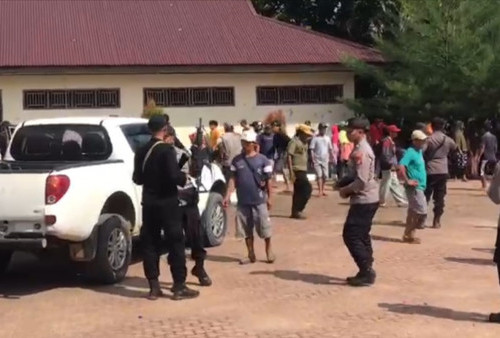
x: 158, y: 33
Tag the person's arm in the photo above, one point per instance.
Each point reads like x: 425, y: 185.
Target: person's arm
x: 402, y: 172
x: 178, y: 143
x: 231, y: 185
x: 312, y: 147
x: 268, y: 172
x: 173, y: 171
x: 362, y: 175
x: 289, y: 158
x: 482, y: 147
x: 137, y: 176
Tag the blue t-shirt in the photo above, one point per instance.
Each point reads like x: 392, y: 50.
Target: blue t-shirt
x: 413, y: 160
x: 266, y: 144
x: 247, y: 190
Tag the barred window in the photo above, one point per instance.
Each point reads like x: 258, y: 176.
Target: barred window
x: 71, y: 99
x: 190, y: 97
x: 294, y: 95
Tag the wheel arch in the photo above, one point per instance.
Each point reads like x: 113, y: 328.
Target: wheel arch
x: 119, y: 203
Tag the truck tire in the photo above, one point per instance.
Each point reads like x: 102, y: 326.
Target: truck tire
x: 5, y: 256
x: 214, y: 220
x: 113, y: 253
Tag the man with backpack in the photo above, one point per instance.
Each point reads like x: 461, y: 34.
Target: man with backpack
x: 251, y: 177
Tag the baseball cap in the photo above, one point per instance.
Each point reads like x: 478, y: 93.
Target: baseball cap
x: 392, y: 128
x: 156, y: 123
x: 358, y: 123
x: 418, y: 135
x: 249, y: 136
x: 305, y: 129
x: 323, y: 125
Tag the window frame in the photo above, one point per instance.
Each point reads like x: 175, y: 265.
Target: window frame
x: 304, y: 95
x: 163, y: 96
x: 72, y: 98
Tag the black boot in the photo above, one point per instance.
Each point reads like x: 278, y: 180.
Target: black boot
x: 363, y: 278
x: 199, y: 272
x: 154, y: 289
x: 181, y: 291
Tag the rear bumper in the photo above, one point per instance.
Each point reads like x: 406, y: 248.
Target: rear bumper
x: 22, y: 243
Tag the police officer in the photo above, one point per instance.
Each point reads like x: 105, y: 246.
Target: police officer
x: 364, y: 201
x: 190, y: 216
x: 156, y: 168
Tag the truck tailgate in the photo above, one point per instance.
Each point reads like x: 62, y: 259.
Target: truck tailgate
x: 22, y: 196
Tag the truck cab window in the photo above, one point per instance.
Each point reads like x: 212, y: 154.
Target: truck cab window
x: 61, y: 143
x: 137, y: 135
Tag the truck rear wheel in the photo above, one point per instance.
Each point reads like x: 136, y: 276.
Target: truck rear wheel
x: 214, y: 220
x: 113, y: 253
x: 5, y: 256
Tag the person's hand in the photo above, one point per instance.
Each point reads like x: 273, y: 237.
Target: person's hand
x: 344, y: 193
x: 412, y: 183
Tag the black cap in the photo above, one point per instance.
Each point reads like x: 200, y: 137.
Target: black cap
x: 157, y: 123
x: 322, y: 125
x: 358, y: 123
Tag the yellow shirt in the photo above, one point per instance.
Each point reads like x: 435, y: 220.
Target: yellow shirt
x: 343, y: 137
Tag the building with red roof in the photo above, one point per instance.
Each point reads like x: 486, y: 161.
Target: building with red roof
x: 214, y: 59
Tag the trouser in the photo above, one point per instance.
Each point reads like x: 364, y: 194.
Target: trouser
x: 157, y: 216
x: 194, y: 232
x: 302, y: 191
x: 356, y: 234
x: 390, y: 183
x: 436, y: 188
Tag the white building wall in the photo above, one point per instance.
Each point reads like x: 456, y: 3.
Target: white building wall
x: 183, y: 118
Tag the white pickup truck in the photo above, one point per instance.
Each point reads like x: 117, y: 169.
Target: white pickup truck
x: 68, y: 182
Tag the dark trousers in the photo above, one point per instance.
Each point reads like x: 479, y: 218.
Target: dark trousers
x: 436, y: 188
x: 302, y: 191
x: 356, y: 234
x: 157, y: 216
x: 194, y: 232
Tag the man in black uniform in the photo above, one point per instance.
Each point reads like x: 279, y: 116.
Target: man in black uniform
x: 156, y: 168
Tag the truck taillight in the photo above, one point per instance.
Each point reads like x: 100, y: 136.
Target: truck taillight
x: 55, y: 188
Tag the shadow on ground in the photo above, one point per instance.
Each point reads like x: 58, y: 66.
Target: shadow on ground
x: 222, y: 259
x: 485, y: 250
x: 296, y: 276
x: 434, y: 311
x: 386, y: 239
x: 397, y: 223
x: 473, y: 261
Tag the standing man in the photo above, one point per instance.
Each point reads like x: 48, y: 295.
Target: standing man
x: 252, y: 179
x: 190, y: 216
x: 363, y: 192
x: 297, y: 163
x: 488, y: 153
x: 412, y: 171
x: 321, y: 153
x: 156, y: 169
x: 266, y: 144
x: 436, y: 152
x: 230, y: 147
x: 280, y: 143
x: 215, y: 135
x: 388, y: 165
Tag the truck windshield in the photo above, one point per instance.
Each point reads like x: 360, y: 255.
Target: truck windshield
x: 60, y: 142
x: 137, y: 135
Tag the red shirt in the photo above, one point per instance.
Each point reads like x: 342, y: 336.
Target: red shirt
x: 376, y: 132
x: 335, y: 135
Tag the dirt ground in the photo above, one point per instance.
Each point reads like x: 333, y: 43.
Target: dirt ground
x: 445, y: 286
